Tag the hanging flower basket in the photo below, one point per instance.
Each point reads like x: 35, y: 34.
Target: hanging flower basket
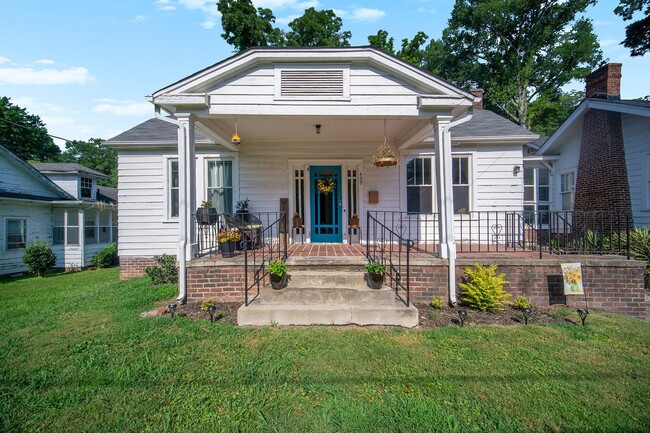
x: 385, y: 157
x: 326, y: 185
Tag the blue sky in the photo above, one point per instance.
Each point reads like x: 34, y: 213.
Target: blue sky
x: 84, y: 66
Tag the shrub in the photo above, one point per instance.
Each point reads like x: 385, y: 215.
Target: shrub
x: 106, y: 257
x: 483, y: 288
x: 522, y: 302
x: 639, y: 245
x: 436, y: 302
x: 164, y: 272
x: 207, y: 303
x: 39, y: 257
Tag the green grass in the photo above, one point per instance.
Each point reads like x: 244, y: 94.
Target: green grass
x: 76, y: 356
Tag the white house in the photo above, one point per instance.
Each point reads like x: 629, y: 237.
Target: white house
x: 33, y: 207
x: 304, y: 114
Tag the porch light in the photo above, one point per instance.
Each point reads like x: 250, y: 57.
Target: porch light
x: 583, y: 315
x: 236, y: 139
x: 318, y: 128
x: 526, y: 312
x: 462, y: 314
x: 172, y: 309
x: 211, y: 310
x: 516, y: 170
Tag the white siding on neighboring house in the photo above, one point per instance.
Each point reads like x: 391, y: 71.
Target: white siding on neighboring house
x: 568, y: 162
x: 637, y: 156
x: 39, y: 226
x: 16, y: 179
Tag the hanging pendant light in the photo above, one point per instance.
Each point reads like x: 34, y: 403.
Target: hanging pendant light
x: 236, y: 139
x: 385, y: 157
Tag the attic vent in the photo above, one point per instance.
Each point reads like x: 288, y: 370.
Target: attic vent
x: 314, y: 83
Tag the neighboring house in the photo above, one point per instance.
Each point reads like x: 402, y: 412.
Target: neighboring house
x: 599, y: 158
x: 302, y: 114
x: 33, y: 207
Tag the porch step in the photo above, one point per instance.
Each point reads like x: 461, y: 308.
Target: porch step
x: 331, y: 279
x: 394, y: 314
x: 327, y: 295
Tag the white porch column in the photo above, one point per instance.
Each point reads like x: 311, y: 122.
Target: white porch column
x: 444, y: 190
x: 187, y: 186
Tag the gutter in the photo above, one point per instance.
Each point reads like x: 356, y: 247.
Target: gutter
x: 451, y: 243
x: 182, y: 217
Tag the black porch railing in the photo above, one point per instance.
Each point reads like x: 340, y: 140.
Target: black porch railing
x: 392, y: 250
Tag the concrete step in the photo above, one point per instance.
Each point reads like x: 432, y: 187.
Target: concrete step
x: 395, y: 314
x: 327, y: 295
x: 329, y: 279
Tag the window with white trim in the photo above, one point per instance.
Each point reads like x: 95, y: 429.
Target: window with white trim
x: 419, y: 184
x: 567, y: 190
x: 16, y: 233
x: 172, y: 188
x: 86, y: 187
x: 219, y: 188
x: 537, y: 190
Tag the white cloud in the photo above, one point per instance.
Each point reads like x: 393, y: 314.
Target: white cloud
x: 126, y: 107
x: 35, y: 106
x: 139, y: 19
x: 208, y: 24
x: 165, y: 5
x: 28, y: 75
x: 45, y: 62
x: 366, y: 14
x: 3, y: 60
x: 286, y: 4
x: 286, y: 20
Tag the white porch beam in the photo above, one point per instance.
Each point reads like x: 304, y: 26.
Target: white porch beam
x: 216, y: 133
x: 414, y: 137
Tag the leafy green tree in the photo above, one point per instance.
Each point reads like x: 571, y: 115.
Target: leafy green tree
x: 93, y: 154
x: 382, y: 41
x: 518, y: 50
x: 637, y: 34
x: 25, y: 134
x: 410, y: 51
x: 546, y: 114
x: 244, y: 26
x: 317, y: 29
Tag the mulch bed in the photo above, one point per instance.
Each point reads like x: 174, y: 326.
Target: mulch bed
x: 430, y: 317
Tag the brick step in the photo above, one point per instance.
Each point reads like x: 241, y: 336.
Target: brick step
x: 395, y: 314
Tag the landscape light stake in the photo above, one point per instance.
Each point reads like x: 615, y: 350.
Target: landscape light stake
x: 462, y: 313
x: 583, y: 315
x: 172, y: 309
x: 211, y: 309
x: 526, y: 312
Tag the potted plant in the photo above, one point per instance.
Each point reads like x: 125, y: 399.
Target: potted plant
x: 384, y: 158
x: 228, y: 241
x: 242, y: 209
x: 206, y: 214
x: 354, y: 221
x: 297, y: 221
x: 278, y: 273
x: 375, y: 275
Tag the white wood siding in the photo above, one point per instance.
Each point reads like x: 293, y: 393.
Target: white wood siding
x: 636, y: 135
x: 18, y: 180
x: 569, y: 158
x: 39, y: 226
x: 68, y: 183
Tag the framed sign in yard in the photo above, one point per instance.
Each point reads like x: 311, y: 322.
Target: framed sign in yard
x: 572, y: 275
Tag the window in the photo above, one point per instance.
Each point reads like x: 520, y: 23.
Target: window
x: 219, y: 190
x: 16, y: 234
x: 536, y: 194
x: 72, y: 227
x: 90, y: 227
x: 58, y: 227
x: 419, y: 184
x: 172, y: 179
x: 86, y: 187
x: 567, y: 188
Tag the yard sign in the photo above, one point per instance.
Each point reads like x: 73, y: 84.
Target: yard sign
x: 572, y: 274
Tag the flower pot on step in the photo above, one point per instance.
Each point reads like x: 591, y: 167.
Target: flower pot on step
x: 374, y: 281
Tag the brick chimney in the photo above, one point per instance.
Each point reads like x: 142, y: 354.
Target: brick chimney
x: 604, y: 82
x: 479, y: 94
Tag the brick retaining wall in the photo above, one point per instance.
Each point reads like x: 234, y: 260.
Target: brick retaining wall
x: 131, y: 267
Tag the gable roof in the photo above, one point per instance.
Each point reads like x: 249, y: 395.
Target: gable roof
x: 627, y: 106
x: 67, y: 168
x: 155, y: 131
x: 6, y: 191
x: 486, y: 123
x: 107, y: 194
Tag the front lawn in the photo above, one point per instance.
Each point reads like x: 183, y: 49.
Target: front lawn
x: 76, y: 356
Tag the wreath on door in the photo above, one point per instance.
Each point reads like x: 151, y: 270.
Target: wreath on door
x: 326, y: 185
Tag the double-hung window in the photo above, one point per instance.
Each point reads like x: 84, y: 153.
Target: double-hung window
x: 172, y: 187
x: 219, y: 185
x: 536, y: 194
x: 419, y: 184
x: 86, y: 187
x: 16, y: 233
x: 567, y: 189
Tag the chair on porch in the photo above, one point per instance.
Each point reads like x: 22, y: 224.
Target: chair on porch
x: 248, y: 224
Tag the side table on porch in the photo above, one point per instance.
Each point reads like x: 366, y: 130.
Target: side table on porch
x: 298, y: 231
x: 354, y: 231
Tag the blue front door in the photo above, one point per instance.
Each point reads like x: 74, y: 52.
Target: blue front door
x: 326, y: 211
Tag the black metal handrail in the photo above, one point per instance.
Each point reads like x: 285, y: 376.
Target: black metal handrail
x: 270, y: 244
x: 393, y: 251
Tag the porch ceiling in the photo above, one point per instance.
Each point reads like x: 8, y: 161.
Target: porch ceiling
x: 303, y: 128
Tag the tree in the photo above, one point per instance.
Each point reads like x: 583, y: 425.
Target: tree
x: 245, y: 27
x: 317, y: 29
x: 25, y: 134
x: 410, y: 51
x: 518, y: 50
x: 382, y: 41
x: 93, y: 154
x: 637, y: 34
x: 546, y: 114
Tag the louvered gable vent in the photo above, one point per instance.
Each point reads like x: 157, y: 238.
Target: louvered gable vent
x: 310, y: 83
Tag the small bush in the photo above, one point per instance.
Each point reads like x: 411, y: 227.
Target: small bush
x: 277, y: 267
x: 39, y: 258
x: 436, y: 302
x: 375, y: 268
x: 522, y: 302
x: 164, y: 272
x: 207, y: 303
x: 483, y: 288
x: 106, y: 257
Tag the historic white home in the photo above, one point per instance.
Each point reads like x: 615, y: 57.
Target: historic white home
x: 33, y: 207
x: 305, y: 114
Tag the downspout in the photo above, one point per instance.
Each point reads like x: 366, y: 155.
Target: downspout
x: 451, y: 243
x: 182, y: 219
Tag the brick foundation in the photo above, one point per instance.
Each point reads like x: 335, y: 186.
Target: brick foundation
x: 131, y: 267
